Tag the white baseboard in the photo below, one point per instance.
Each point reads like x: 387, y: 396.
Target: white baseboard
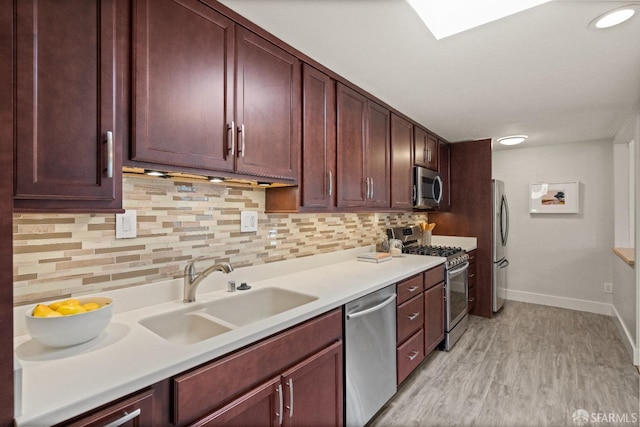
x: 580, y: 305
x: 561, y: 302
x: 626, y: 337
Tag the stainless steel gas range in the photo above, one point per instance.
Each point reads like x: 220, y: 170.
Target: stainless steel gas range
x: 456, y: 279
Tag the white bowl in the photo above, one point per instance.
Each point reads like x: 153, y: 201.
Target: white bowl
x: 71, y: 330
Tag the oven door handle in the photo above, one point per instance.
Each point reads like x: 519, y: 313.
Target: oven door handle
x: 459, y: 269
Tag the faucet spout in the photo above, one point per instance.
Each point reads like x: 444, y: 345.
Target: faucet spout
x: 192, y: 280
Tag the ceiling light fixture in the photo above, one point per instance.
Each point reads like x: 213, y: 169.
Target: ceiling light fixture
x: 215, y: 179
x: 263, y: 184
x: 613, y: 17
x: 512, y: 139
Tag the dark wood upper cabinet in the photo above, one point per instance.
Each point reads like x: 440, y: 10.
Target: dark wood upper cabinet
x: 378, y: 155
x: 268, y: 108
x: 210, y: 95
x: 68, y: 70
x: 426, y: 149
x: 182, y: 84
x: 352, y: 145
x: 401, y: 163
x: 444, y: 168
x: 364, y: 151
x: 318, y: 140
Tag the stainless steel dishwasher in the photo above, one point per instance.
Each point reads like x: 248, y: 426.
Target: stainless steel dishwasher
x: 370, y: 355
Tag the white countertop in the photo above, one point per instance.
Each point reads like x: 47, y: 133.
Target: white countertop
x: 58, y: 384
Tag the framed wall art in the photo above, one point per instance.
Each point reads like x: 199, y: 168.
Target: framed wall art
x: 555, y: 198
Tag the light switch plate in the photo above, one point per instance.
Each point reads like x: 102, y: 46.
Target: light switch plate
x: 248, y: 221
x: 126, y: 224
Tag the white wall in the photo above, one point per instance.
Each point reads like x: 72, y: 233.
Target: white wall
x: 560, y: 259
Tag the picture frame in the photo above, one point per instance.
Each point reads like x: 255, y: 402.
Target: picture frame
x: 554, y: 198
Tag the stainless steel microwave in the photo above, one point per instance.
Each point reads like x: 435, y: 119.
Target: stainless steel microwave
x: 427, y: 188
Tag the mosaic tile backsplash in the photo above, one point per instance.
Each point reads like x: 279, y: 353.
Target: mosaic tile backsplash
x: 59, y: 254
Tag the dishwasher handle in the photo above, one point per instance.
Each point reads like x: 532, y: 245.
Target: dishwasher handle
x: 372, y: 309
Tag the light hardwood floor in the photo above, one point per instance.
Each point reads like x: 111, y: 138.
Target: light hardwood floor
x: 529, y: 366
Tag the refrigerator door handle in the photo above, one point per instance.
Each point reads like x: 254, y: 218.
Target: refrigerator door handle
x: 504, y: 263
x: 504, y: 220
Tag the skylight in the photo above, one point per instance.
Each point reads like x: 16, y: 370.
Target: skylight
x: 445, y: 18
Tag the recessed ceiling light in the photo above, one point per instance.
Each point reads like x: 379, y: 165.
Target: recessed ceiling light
x: 215, y: 179
x: 613, y: 17
x: 512, y: 139
x: 446, y: 17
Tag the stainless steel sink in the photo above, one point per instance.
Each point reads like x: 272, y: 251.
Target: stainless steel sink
x: 251, y: 306
x: 202, y: 321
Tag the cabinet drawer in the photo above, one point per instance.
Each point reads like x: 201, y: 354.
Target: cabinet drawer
x: 245, y: 369
x: 410, y: 354
x: 472, y: 299
x: 434, y: 276
x: 409, y: 288
x: 472, y: 274
x: 136, y: 410
x: 410, y: 318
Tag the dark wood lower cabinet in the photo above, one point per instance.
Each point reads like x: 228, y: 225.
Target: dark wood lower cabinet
x: 306, y: 395
x: 135, y: 411
x: 420, y: 319
x: 434, y: 317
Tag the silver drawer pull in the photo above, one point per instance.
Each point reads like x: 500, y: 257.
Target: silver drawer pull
x: 290, y: 384
x: 232, y: 147
x: 472, y: 299
x: 412, y: 289
x: 413, y: 355
x: 123, y: 419
x: 412, y: 316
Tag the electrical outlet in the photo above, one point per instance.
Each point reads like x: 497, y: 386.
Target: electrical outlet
x: 126, y: 224
x: 608, y: 288
x: 248, y: 221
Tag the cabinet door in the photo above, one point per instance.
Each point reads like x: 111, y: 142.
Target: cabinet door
x: 401, y: 163
x: 183, y: 85
x: 444, y: 158
x: 318, y: 140
x: 425, y: 149
x: 378, y: 155
x: 313, y: 390
x: 258, y: 408
x: 67, y: 144
x: 136, y: 411
x: 351, y: 143
x: 433, y: 317
x: 268, y: 108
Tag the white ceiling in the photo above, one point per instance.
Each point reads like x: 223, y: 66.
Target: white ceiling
x: 540, y: 72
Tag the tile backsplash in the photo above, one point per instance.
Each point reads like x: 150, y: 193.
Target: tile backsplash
x: 56, y: 255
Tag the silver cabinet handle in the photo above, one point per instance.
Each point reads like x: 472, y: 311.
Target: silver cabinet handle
x: 366, y: 192
x: 369, y: 310
x: 242, y: 140
x: 330, y: 184
x: 371, y: 196
x: 125, y: 418
x: 109, y: 154
x: 414, y: 354
x: 412, y: 316
x: 412, y: 289
x: 232, y: 147
x: 290, y: 384
x: 279, y: 414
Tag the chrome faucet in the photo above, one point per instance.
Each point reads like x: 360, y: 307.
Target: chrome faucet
x: 191, y: 280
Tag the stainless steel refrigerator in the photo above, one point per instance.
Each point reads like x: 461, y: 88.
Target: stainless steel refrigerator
x: 500, y: 236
